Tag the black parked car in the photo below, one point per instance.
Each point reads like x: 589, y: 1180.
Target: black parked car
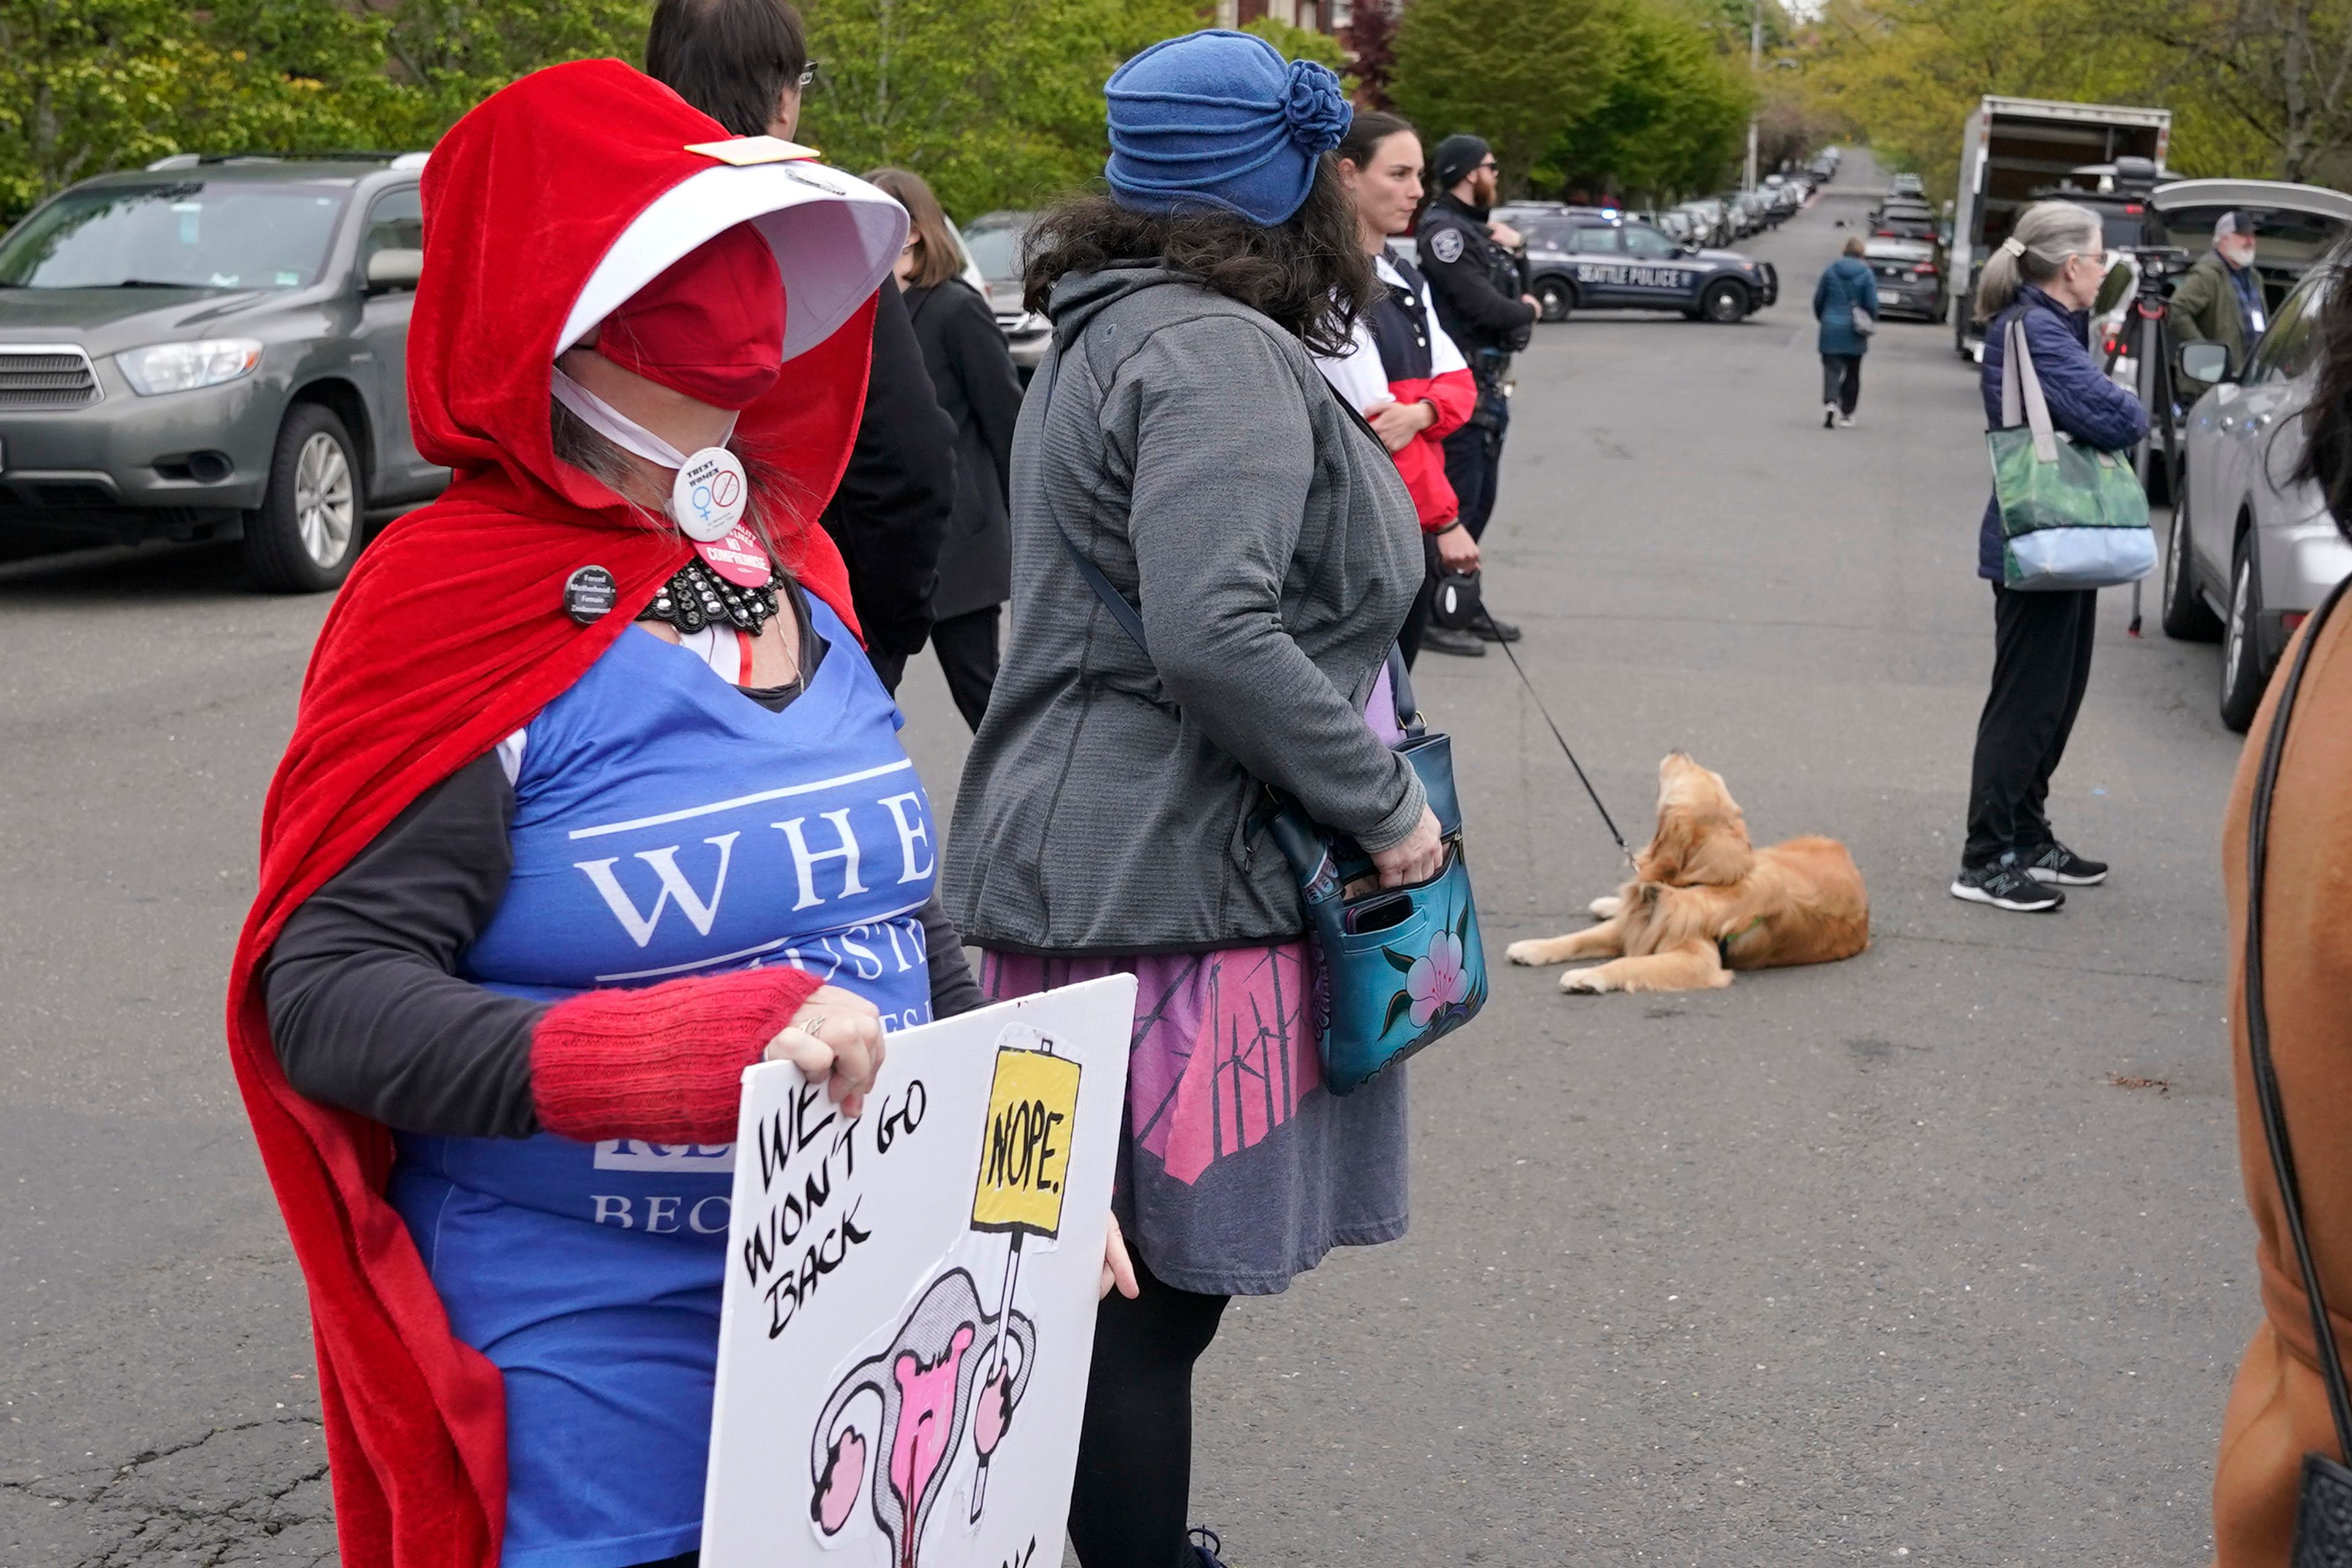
x: 1599, y: 266
x: 1910, y: 282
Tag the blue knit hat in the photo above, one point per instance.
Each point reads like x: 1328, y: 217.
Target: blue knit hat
x: 1220, y: 120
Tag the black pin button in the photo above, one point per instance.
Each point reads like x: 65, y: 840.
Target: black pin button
x: 588, y: 594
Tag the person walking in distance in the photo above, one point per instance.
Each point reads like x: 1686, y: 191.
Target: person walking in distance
x: 745, y: 64
x: 1480, y: 305
x: 2043, y: 277
x: 971, y: 371
x: 2278, y: 1408
x: 1846, y: 302
x: 1179, y: 441
x: 1401, y: 372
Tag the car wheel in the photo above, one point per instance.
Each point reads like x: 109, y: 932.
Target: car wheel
x: 2185, y: 613
x: 2242, y: 674
x: 1557, y: 299
x: 308, y: 530
x: 1724, y: 302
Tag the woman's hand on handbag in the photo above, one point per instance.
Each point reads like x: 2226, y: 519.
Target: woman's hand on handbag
x: 835, y: 1036
x: 1456, y: 551
x: 1119, y: 1268
x: 1417, y: 859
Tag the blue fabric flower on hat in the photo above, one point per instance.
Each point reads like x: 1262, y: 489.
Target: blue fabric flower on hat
x: 1319, y: 113
x: 1220, y: 120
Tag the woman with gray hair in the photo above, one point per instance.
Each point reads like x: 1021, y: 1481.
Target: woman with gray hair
x: 2043, y: 278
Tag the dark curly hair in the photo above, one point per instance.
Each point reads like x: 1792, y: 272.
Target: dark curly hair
x: 1307, y: 273
x: 2328, y: 419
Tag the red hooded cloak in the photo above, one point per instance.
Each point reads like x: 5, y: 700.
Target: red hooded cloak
x: 452, y: 633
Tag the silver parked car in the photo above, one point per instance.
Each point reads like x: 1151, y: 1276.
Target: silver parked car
x: 994, y: 244
x: 215, y: 348
x: 2252, y: 550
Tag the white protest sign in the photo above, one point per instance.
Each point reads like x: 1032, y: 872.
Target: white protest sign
x: 909, y: 1309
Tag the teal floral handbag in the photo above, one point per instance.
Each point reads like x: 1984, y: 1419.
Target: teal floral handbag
x: 1401, y: 968
x: 1397, y: 969
x: 2071, y: 516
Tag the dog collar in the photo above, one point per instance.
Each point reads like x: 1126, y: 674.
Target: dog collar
x: 1723, y: 944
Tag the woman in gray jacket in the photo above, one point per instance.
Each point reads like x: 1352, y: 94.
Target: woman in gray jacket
x: 1179, y: 439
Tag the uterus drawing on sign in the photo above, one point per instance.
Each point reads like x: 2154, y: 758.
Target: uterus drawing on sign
x: 893, y: 1427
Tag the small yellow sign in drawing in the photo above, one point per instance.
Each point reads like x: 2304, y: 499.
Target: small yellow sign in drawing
x: 1025, y: 1152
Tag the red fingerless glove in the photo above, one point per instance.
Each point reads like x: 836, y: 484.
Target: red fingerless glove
x: 663, y: 1064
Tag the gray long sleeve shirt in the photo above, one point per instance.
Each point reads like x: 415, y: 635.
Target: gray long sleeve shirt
x: 1191, y: 450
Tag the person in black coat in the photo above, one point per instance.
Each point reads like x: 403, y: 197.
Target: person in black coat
x: 744, y: 63
x: 971, y: 373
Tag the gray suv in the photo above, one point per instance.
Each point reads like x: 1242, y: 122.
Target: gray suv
x: 215, y: 348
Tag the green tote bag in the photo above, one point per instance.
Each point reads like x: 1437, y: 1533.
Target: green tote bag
x: 2071, y: 516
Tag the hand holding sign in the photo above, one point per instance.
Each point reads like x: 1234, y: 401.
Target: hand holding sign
x: 835, y: 1039
x: 903, y: 1358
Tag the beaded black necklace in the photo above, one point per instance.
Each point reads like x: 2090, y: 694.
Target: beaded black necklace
x: 698, y: 597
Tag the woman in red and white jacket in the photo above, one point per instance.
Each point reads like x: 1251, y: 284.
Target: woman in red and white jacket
x: 1404, y: 376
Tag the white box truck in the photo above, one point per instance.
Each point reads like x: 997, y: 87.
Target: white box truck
x: 2015, y: 146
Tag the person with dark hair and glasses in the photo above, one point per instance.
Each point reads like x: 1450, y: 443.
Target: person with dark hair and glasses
x: 745, y: 63
x: 2278, y: 1408
x: 1181, y: 443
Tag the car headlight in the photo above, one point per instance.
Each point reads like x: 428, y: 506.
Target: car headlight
x: 183, y: 367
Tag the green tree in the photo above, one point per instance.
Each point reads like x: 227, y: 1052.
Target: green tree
x: 1906, y: 73
x: 1672, y: 120
x: 91, y: 85
x: 995, y: 102
x: 455, y: 53
x: 1517, y: 72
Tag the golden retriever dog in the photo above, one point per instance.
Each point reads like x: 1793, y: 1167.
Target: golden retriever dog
x: 1704, y: 903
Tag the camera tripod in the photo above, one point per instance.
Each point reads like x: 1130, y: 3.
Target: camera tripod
x: 2146, y: 333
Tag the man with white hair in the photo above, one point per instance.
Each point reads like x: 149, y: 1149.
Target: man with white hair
x: 2221, y: 300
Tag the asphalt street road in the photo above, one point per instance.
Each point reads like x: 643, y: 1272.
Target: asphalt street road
x: 1935, y: 1255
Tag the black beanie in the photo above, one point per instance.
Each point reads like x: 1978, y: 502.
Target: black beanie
x: 1455, y: 158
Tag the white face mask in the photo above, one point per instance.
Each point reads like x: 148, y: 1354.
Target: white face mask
x: 710, y: 492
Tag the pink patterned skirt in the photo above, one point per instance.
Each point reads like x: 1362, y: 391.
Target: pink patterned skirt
x: 1240, y: 1169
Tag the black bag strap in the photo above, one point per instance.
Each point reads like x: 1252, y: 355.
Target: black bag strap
x: 2258, y: 1028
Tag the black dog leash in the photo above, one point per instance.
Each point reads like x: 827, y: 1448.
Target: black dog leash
x: 1607, y: 821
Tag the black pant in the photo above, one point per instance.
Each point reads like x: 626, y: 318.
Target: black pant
x: 1841, y: 382
x: 1473, y: 463
x: 1416, y: 620
x: 967, y: 649
x: 2041, y: 667
x: 1135, y: 1449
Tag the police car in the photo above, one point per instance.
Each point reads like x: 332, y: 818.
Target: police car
x: 1619, y: 266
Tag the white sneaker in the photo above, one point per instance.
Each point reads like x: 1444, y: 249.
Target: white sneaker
x: 1846, y: 421
x: 1829, y: 415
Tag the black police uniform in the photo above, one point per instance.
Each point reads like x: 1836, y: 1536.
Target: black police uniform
x: 1477, y: 287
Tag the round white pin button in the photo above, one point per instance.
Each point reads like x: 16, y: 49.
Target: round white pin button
x: 709, y: 494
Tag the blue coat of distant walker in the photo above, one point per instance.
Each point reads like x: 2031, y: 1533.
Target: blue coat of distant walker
x: 1843, y: 285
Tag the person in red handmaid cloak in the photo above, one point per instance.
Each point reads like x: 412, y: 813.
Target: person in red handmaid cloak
x: 593, y: 801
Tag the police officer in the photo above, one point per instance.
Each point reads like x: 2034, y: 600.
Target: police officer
x: 1483, y: 310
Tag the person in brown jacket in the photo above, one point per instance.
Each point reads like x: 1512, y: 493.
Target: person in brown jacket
x: 2278, y: 1407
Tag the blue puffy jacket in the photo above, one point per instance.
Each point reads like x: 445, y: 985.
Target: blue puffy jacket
x: 1846, y: 284
x: 2082, y: 402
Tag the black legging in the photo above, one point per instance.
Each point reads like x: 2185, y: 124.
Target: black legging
x: 1135, y: 1451
x: 1841, y: 382
x: 2042, y: 647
